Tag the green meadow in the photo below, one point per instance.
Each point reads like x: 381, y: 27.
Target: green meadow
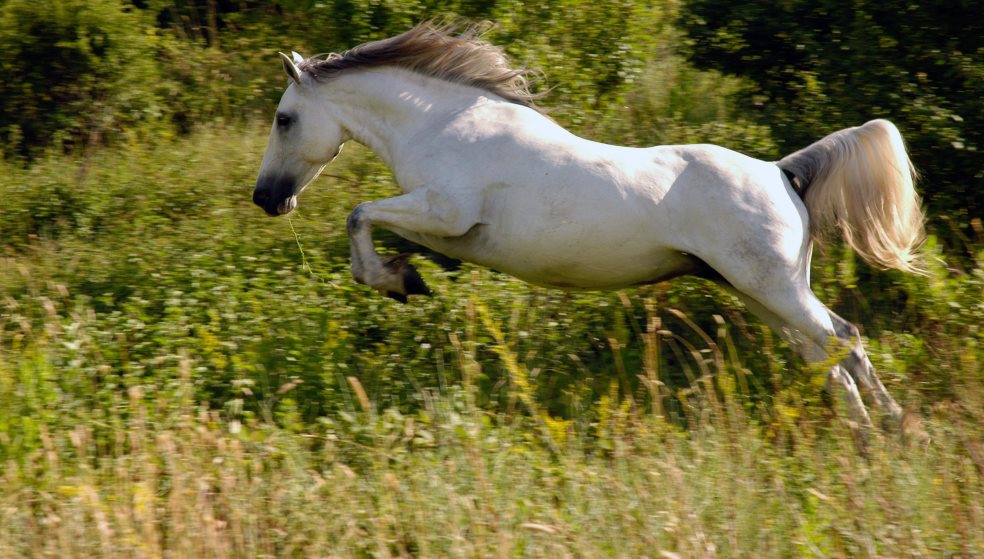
x: 182, y: 376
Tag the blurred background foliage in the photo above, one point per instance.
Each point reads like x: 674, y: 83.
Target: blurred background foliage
x: 102, y: 98
x: 820, y: 65
x: 99, y: 97
x: 759, y: 77
x: 170, y: 359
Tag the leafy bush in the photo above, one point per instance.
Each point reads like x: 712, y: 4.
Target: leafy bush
x: 74, y: 72
x: 820, y: 65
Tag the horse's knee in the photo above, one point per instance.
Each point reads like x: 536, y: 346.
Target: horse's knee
x: 354, y: 219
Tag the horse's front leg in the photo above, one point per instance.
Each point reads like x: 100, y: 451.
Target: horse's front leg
x: 425, y: 211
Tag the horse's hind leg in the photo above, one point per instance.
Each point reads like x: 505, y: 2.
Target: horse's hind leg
x: 837, y: 377
x: 800, y: 308
x: 783, y: 297
x: 860, y: 367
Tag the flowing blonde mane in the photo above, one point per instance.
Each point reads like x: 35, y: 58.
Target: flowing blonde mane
x: 447, y: 52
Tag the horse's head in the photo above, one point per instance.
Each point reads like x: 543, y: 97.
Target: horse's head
x: 306, y: 136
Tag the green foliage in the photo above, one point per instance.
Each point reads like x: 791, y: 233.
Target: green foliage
x: 177, y: 378
x: 822, y: 65
x: 141, y: 275
x: 74, y: 71
x: 590, y: 53
x: 175, y: 382
x: 91, y: 73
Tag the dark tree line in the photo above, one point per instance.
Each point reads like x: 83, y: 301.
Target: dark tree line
x: 79, y: 73
x: 820, y: 65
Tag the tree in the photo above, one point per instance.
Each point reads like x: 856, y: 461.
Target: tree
x: 821, y: 65
x: 74, y: 70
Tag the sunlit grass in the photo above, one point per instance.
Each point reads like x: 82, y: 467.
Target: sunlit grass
x: 176, y: 478
x: 175, y: 381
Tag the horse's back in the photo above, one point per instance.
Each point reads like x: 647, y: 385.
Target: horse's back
x: 564, y: 211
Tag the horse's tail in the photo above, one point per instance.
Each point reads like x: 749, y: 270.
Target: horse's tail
x: 860, y: 180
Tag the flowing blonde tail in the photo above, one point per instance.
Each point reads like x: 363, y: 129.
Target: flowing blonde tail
x: 860, y: 180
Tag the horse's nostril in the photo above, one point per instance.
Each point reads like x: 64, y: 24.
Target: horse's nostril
x: 260, y: 197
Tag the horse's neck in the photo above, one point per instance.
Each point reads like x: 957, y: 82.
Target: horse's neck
x: 384, y: 108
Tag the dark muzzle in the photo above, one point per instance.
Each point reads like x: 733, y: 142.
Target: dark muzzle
x: 272, y: 193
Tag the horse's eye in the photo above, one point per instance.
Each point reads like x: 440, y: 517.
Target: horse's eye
x: 283, y: 121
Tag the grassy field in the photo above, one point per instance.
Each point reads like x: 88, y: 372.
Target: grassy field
x: 183, y: 377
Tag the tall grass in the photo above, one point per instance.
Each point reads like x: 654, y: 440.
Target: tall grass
x: 175, y: 381
x: 180, y: 479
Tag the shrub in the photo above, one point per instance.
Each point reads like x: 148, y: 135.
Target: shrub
x: 75, y: 72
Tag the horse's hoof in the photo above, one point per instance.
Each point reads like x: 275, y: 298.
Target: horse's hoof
x: 913, y: 432
x: 413, y: 284
x: 892, y: 423
x: 398, y: 296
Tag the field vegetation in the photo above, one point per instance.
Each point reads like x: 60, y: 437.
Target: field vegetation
x: 181, y: 376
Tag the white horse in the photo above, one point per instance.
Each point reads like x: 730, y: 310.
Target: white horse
x: 487, y: 178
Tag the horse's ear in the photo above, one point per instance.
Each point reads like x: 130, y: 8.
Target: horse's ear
x: 292, y: 72
x: 297, y: 57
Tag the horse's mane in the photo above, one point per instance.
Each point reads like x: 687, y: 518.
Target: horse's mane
x: 449, y: 52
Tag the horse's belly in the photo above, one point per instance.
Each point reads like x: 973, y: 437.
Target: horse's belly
x: 581, y: 273
x: 587, y: 270
x: 575, y: 231
x: 566, y: 261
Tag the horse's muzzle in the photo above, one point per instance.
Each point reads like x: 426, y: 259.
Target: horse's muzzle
x: 275, y: 194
